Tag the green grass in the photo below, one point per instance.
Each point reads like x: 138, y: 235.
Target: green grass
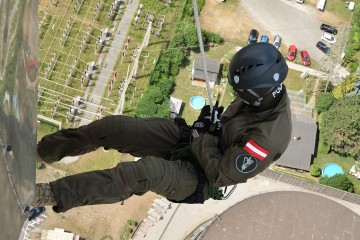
x: 345, y: 162
x: 44, y: 128
x: 293, y: 80
x: 96, y: 160
x: 339, y: 8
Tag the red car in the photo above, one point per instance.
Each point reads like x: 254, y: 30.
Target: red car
x: 305, y: 58
x: 291, y: 52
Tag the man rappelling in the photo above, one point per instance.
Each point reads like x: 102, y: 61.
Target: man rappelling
x: 180, y: 162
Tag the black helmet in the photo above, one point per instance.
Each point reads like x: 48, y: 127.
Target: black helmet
x: 258, y: 65
x: 258, y: 68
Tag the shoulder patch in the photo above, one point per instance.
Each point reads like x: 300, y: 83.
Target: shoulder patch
x: 245, y: 163
x: 255, y: 150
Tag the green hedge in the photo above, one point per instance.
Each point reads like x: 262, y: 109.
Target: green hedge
x: 339, y: 181
x: 351, y: 59
x: 155, y: 100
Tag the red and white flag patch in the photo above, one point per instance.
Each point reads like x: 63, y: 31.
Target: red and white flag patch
x: 255, y: 150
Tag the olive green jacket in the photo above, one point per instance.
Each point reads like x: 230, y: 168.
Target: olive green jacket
x: 250, y: 141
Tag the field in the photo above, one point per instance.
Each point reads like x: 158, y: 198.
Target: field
x: 95, y: 222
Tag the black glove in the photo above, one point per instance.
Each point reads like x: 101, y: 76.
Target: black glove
x: 208, y: 121
x: 185, y: 130
x: 203, y: 123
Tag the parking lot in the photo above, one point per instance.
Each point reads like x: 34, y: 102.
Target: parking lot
x: 297, y: 24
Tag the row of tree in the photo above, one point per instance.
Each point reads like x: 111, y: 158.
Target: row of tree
x: 340, y: 123
x: 353, y: 45
x: 155, y: 100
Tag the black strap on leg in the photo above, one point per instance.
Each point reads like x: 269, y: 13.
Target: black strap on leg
x: 198, y: 196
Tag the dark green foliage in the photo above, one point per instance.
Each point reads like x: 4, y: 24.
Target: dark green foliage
x: 155, y: 100
x: 154, y: 95
x: 324, y: 102
x: 166, y: 85
x: 146, y: 109
x: 315, y: 171
x: 339, y: 181
x: 353, y: 45
x: 212, y: 37
x: 132, y: 222
x: 189, y: 7
x: 340, y: 126
x: 40, y: 165
x: 187, y: 29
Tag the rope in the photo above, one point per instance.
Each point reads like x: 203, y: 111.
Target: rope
x: 201, y: 44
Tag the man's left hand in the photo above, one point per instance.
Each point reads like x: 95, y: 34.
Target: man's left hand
x: 209, y: 121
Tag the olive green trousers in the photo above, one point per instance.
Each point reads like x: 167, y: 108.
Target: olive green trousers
x: 151, y: 139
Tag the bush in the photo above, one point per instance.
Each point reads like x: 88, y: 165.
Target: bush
x: 40, y: 165
x: 339, y: 181
x: 132, y: 222
x: 340, y: 126
x: 324, y: 102
x: 315, y: 171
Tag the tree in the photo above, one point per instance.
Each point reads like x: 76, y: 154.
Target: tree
x: 340, y: 126
x: 345, y: 86
x: 315, y: 171
x: 324, y: 102
x: 339, y: 181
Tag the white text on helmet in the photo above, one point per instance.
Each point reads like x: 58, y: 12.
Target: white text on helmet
x: 278, y: 90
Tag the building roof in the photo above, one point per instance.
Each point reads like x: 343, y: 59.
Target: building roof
x: 300, y: 152
x: 285, y: 215
x: 175, y: 105
x: 212, y: 66
x: 58, y: 234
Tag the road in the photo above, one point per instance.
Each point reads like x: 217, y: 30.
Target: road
x: 120, y: 34
x: 295, y: 23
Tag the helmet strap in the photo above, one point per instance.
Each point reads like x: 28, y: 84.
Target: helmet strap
x: 257, y: 102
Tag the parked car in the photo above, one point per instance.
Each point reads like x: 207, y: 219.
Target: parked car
x: 320, y: 5
x: 34, y: 212
x: 277, y: 41
x: 328, y: 28
x: 291, y: 52
x: 328, y: 38
x: 305, y: 58
x: 253, y: 36
x: 323, y: 47
x: 300, y: 1
x: 264, y: 38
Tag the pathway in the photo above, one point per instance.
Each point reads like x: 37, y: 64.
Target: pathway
x: 109, y: 62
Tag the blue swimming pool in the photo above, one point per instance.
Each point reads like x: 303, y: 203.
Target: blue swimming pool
x: 197, y: 102
x: 331, y: 169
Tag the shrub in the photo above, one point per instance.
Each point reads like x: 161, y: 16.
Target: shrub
x: 132, y: 222
x: 340, y: 126
x: 339, y: 181
x: 40, y: 165
x: 324, y: 102
x: 315, y: 171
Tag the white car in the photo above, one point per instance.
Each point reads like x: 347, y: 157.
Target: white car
x: 327, y: 37
x: 300, y: 1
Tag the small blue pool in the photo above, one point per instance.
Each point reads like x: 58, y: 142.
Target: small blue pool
x: 331, y: 169
x: 197, y: 102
